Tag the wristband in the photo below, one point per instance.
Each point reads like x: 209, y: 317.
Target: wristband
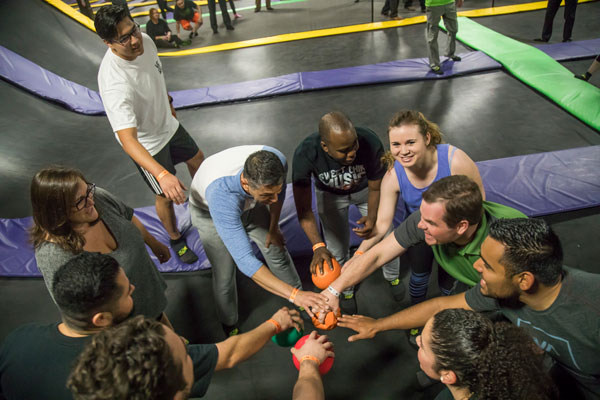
x: 162, y: 175
x: 359, y: 253
x: 311, y: 358
x: 277, y: 326
x: 333, y: 291
x: 318, y: 246
x: 293, y: 295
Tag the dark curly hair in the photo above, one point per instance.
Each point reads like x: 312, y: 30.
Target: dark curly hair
x: 131, y: 361
x: 529, y: 245
x: 495, y: 361
x: 264, y: 168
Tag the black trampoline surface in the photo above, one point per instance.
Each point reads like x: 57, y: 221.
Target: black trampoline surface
x: 489, y: 115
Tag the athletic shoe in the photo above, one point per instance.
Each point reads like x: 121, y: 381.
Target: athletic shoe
x: 348, y: 304
x: 583, y: 77
x: 454, y: 58
x: 231, y: 330
x: 409, y: 8
x: 567, y: 40
x: 230, y: 28
x: 237, y: 16
x: 541, y: 40
x: 257, y: 9
x: 270, y: 8
x: 191, y: 35
x: 184, y: 253
x: 412, y: 336
x: 397, y: 289
x: 437, y: 70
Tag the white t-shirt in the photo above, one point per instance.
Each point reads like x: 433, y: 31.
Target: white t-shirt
x: 134, y: 94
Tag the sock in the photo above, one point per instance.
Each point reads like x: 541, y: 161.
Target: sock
x: 417, y: 285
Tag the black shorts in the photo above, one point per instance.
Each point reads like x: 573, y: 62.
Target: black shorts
x: 179, y: 149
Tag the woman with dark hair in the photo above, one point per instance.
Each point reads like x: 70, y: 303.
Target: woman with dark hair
x: 417, y: 158
x: 71, y: 216
x: 479, y: 359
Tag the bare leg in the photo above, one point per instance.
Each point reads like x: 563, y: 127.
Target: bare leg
x: 166, y: 213
x: 594, y: 67
x: 194, y: 163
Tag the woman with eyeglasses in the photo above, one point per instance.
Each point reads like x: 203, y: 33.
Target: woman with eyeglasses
x: 71, y: 216
x: 478, y: 359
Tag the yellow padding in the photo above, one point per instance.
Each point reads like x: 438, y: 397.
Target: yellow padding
x: 289, y: 37
x: 486, y: 12
x: 77, y: 16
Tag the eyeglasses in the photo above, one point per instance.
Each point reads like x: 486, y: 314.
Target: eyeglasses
x: 125, y: 39
x: 82, y: 202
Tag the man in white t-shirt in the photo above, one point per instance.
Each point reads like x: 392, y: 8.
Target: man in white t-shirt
x: 138, y: 107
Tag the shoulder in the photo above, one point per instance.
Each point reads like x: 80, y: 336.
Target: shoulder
x: 24, y: 333
x: 460, y: 161
x: 501, y: 211
x: 308, y: 149
x: 368, y: 135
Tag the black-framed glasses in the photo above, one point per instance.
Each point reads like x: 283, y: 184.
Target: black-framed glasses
x: 82, y: 202
x: 125, y: 39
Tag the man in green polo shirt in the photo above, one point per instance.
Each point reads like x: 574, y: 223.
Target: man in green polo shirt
x: 453, y: 219
x: 435, y: 10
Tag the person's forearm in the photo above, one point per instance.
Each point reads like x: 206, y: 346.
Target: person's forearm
x: 275, y: 213
x: 310, y: 384
x: 309, y: 226
x: 265, y: 279
x: 373, y: 203
x: 417, y: 315
x: 140, y: 155
x: 147, y: 236
x: 240, y: 347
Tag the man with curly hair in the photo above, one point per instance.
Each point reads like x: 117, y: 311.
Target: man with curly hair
x: 92, y: 293
x: 143, y: 359
x: 523, y: 278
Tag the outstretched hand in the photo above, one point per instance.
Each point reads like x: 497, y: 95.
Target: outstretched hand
x: 173, y: 188
x: 367, y: 228
x: 289, y: 318
x: 311, y: 302
x: 365, y: 326
x: 319, y: 347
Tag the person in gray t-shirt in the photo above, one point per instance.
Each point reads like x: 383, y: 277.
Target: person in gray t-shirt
x: 522, y: 276
x: 71, y: 216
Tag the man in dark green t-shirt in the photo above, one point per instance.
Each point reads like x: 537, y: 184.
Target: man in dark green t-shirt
x: 345, y: 163
x: 453, y: 219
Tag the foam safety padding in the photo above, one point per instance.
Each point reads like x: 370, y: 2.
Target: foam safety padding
x: 535, y: 68
x: 41, y: 82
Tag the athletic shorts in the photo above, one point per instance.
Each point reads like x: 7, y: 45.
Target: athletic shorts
x: 185, y: 24
x: 179, y: 149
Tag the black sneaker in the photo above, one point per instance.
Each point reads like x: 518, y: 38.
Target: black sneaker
x: 231, y: 330
x: 397, y: 289
x: 348, y: 304
x: 541, y: 40
x: 191, y: 35
x: 184, y: 253
x: 583, y: 77
x: 437, y: 70
x: 230, y: 28
x: 454, y: 58
x: 412, y: 336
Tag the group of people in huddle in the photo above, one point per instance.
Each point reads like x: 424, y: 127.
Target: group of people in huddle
x: 511, y: 322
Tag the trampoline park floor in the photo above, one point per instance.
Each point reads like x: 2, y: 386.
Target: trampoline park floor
x: 489, y: 115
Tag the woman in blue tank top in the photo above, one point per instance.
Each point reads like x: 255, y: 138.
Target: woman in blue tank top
x: 417, y: 158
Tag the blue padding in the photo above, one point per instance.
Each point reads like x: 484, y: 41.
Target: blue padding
x: 572, y: 50
x: 536, y: 184
x: 73, y: 96
x: 545, y: 183
x: 41, y: 82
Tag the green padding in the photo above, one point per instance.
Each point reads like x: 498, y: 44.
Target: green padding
x: 536, y: 69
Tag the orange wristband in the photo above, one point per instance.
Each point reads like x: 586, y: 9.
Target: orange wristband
x: 359, y: 253
x: 162, y: 174
x: 277, y: 326
x: 318, y: 246
x: 293, y: 295
x: 309, y: 357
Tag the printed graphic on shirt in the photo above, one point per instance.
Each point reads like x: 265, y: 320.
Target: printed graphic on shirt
x: 344, y: 178
x: 157, y: 65
x: 558, y: 347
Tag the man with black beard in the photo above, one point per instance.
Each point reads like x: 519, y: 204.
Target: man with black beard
x: 523, y: 278
x: 93, y: 293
